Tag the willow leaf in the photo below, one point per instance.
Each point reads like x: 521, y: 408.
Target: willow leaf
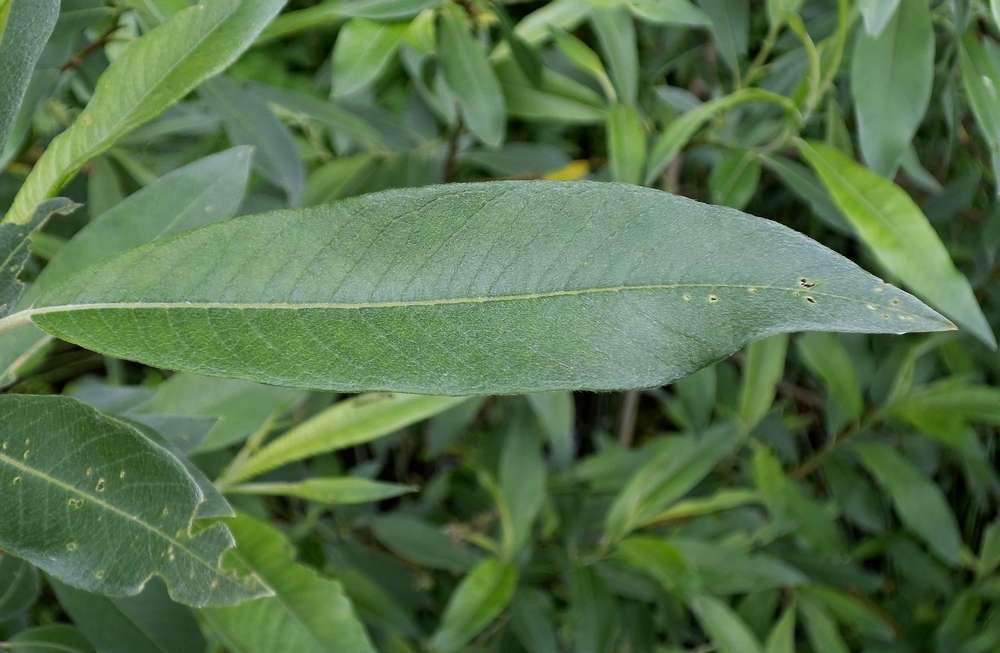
x: 474, y: 289
x: 151, y: 75
x: 94, y: 503
x: 25, y: 26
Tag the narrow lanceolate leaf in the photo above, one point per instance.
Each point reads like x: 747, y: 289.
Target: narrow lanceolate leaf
x: 14, y: 249
x: 919, y: 502
x: 891, y: 79
x: 981, y: 78
x: 362, y: 50
x: 476, y: 602
x: 354, y: 421
x: 307, y: 614
x: 346, y: 490
x: 471, y: 77
x: 473, y: 289
x: 151, y: 75
x: 25, y: 26
x: 892, y: 225
x: 93, y: 502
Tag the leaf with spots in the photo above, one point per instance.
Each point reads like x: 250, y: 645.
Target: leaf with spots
x: 94, y: 503
x: 14, y: 240
x: 488, y: 288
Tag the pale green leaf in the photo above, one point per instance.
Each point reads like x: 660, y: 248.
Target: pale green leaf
x: 680, y: 464
x: 728, y: 570
x: 765, y: 367
x: 891, y: 79
x: 345, y: 424
x: 669, y: 12
x: 25, y: 26
x: 19, y: 583
x: 721, y: 500
x: 331, y: 491
x: 59, y: 638
x: 729, y: 633
x: 249, y: 121
x: 471, y: 77
x: 782, y: 637
x: 877, y: 14
x: 821, y: 629
x: 384, y: 10
x: 920, y: 504
x: 892, y: 225
x: 580, y: 54
x: 658, y: 559
x: 155, y: 72
x: 995, y: 11
x: 146, y: 623
x: 109, y: 513
x: 626, y: 144
x: 307, y: 614
x: 482, y: 288
x: 679, y: 132
x: 476, y: 602
x: 362, y: 51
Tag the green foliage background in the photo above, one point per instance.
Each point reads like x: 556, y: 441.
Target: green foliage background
x: 816, y: 492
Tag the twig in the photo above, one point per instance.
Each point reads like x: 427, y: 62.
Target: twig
x: 627, y: 418
x: 101, y: 41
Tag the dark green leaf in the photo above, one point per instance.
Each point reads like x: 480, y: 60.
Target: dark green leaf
x: 25, y: 26
x: 476, y: 602
x: 524, y: 316
x: 18, y: 585
x: 114, y: 512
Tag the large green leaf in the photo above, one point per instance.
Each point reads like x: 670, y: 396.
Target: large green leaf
x: 96, y: 504
x: 25, y: 26
x: 307, y: 614
x: 891, y: 79
x: 472, y: 289
x: 892, y: 225
x: 151, y: 75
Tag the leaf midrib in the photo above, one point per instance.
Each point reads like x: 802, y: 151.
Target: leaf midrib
x: 65, y: 308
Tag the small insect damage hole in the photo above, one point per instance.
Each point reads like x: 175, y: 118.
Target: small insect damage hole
x: 75, y: 503
x: 99, y: 575
x: 712, y: 299
x: 687, y: 297
x: 16, y: 480
x: 806, y: 283
x: 26, y: 455
x: 72, y: 546
x: 100, y: 485
x: 811, y: 300
x: 895, y: 302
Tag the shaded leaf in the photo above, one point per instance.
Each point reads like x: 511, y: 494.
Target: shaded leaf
x: 765, y: 367
x: 470, y: 76
x: 827, y: 358
x: 110, y: 515
x: 18, y: 585
x: 51, y: 639
x: 249, y: 121
x: 148, y: 622
x: 307, y: 614
x: 919, y: 502
x: 472, y: 292
x: 422, y: 543
x: 734, y: 179
x: 476, y: 602
x: 626, y: 144
x: 730, y: 26
x: 724, y: 626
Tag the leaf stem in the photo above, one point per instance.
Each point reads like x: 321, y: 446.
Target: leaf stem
x: 11, y: 322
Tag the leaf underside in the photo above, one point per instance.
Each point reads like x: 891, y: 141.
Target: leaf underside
x: 503, y: 287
